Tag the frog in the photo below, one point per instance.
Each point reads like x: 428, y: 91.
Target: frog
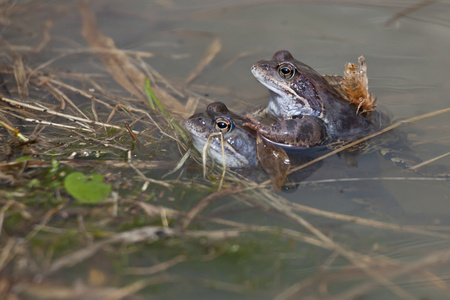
x: 301, y: 100
x: 216, y: 121
x: 243, y: 148
x: 320, y: 118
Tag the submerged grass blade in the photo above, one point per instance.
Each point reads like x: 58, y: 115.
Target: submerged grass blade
x: 213, y: 49
x: 179, y: 164
x: 150, y: 94
x: 153, y: 100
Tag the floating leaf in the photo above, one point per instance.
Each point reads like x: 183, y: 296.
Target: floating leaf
x: 87, y: 188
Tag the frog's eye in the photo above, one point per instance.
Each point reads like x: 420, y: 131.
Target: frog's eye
x: 286, y: 71
x: 223, y: 124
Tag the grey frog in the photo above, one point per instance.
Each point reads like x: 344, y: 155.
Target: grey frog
x: 239, y: 141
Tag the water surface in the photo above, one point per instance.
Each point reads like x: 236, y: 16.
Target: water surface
x: 407, y: 58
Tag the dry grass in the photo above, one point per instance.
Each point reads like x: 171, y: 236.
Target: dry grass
x: 74, y: 117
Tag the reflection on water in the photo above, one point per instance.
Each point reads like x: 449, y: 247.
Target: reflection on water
x: 407, y: 57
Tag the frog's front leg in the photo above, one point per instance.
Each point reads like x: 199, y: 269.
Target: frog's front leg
x: 305, y: 132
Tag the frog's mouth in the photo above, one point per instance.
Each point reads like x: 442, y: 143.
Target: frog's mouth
x: 271, y: 84
x: 285, y: 98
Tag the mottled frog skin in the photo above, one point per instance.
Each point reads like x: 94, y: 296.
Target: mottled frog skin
x: 300, y: 100
x: 239, y: 141
x: 304, y: 111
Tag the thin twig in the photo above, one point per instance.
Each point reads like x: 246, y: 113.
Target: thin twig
x: 408, y: 11
x: 66, y: 116
x: 357, y: 259
x: 429, y: 161
x: 156, y: 268
x: 441, y: 257
x: 367, y: 222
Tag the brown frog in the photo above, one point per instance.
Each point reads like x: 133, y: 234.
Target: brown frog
x: 207, y: 128
x: 305, y: 108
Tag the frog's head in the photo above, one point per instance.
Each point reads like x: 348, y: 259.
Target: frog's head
x: 292, y: 85
x: 239, y: 141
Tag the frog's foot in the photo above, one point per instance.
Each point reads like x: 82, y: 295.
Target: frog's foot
x: 252, y: 123
x: 306, y: 132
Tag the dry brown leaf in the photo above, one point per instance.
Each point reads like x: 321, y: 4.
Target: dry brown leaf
x: 356, y: 86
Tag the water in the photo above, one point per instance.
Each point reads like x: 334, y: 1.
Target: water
x: 407, y: 58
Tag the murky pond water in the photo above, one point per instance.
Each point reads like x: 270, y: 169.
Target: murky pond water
x: 373, y: 231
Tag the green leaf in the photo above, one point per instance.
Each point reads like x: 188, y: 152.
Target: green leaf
x: 87, y: 189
